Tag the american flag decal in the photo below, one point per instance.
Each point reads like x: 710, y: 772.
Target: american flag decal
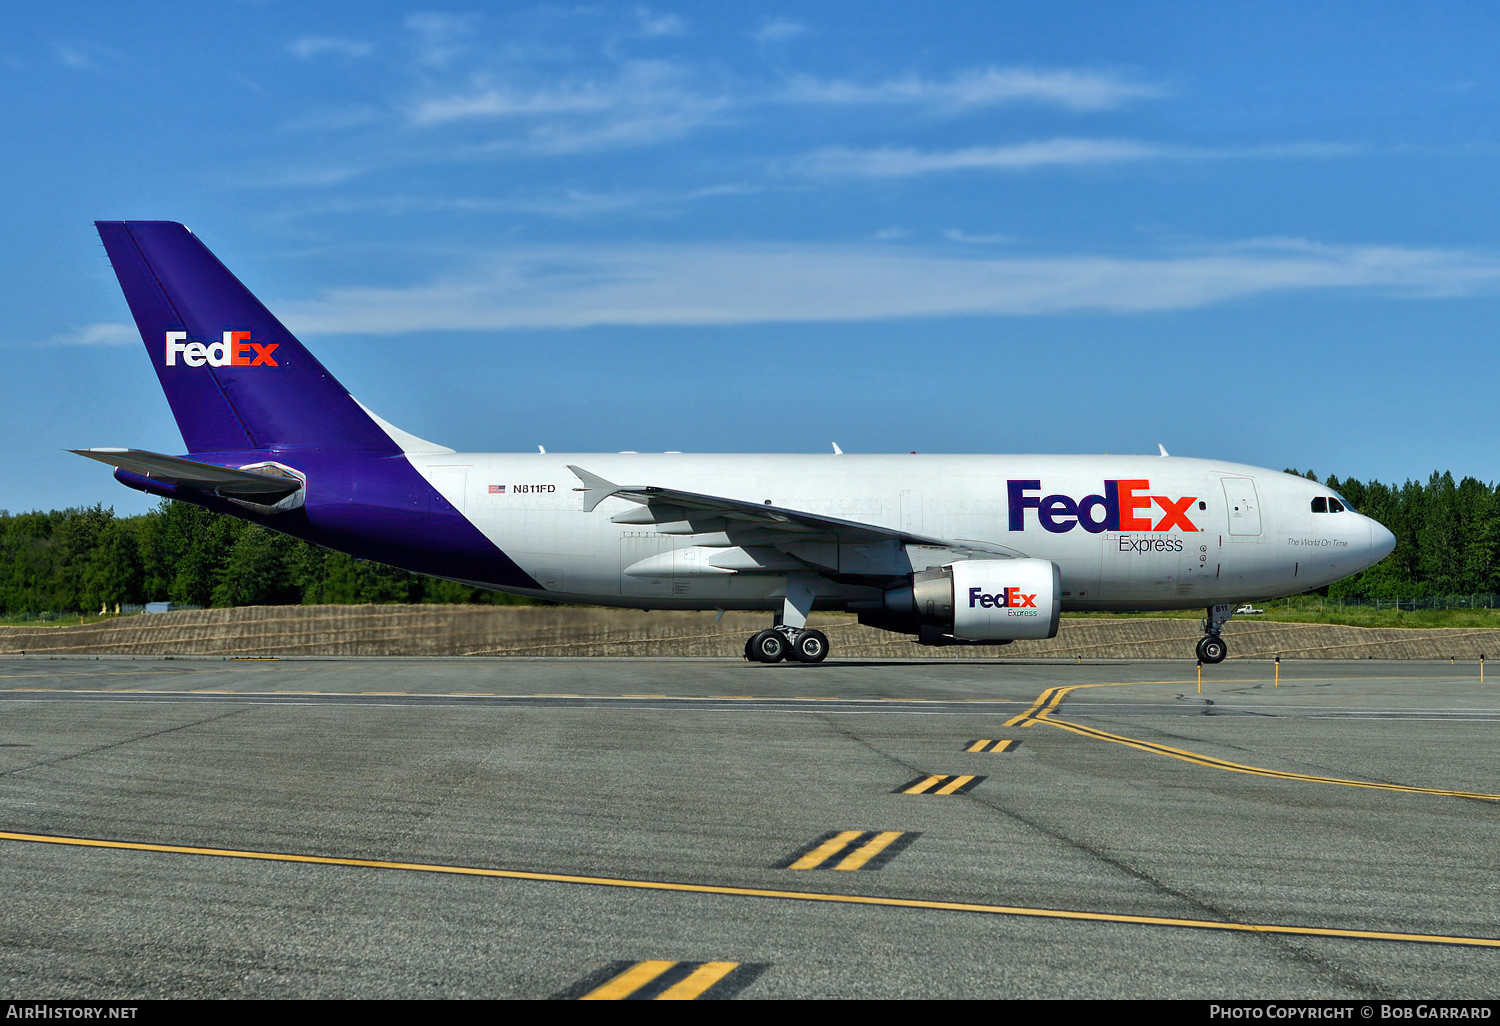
x: 497, y: 489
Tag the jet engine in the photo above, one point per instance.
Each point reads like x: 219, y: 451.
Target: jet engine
x: 975, y: 601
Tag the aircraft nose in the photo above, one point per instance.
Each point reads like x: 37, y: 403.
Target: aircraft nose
x: 1382, y: 541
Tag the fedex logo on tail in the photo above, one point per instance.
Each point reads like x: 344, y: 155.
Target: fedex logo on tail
x: 235, y: 350
x: 1125, y: 506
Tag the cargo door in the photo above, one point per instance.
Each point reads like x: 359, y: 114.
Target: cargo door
x: 1243, y: 507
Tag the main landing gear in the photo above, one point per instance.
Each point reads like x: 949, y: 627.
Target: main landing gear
x: 1211, y: 647
x: 784, y: 642
x: 790, y: 638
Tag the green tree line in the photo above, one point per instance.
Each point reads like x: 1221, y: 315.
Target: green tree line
x: 81, y: 560
x: 1447, y: 537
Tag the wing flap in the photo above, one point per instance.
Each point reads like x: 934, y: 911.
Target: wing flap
x: 680, y: 512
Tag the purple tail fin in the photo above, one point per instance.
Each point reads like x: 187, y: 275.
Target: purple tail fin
x: 235, y: 378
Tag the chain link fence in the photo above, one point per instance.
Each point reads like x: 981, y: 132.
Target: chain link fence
x: 1410, y: 603
x: 122, y: 609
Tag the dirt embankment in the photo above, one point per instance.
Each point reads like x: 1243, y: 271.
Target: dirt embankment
x: 561, y: 631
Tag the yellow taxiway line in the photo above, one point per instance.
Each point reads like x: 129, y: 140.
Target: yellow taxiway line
x: 762, y: 892
x: 1048, y: 701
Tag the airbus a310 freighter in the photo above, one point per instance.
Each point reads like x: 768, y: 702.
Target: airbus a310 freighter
x: 951, y: 549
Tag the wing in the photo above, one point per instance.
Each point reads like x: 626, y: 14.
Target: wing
x: 265, y: 487
x: 740, y: 536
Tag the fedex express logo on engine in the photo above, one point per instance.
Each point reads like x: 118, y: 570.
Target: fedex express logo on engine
x: 235, y: 350
x: 1125, y: 506
x: 1007, y: 598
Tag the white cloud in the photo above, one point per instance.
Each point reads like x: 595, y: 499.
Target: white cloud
x: 959, y: 235
x: 82, y: 56
x: 1076, y: 90
x: 897, y: 163
x: 893, y: 163
x: 106, y: 334
x: 775, y: 30
x: 510, y: 102
x: 566, y: 287
x: 652, y: 24
x: 439, y: 38
x: 309, y: 47
x: 638, y: 103
x: 560, y: 203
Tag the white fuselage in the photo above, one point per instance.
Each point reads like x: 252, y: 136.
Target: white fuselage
x: 1127, y: 532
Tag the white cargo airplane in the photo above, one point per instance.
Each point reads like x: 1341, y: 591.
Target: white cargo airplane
x: 951, y: 549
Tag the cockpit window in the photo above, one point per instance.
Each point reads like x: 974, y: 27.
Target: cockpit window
x: 1328, y: 504
x: 1320, y: 504
x: 1334, y: 505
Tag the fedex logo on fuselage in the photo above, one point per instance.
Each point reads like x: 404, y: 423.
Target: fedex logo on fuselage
x: 1008, y: 598
x: 236, y: 350
x: 1125, y: 506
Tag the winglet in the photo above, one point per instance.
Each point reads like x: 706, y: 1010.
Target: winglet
x: 595, y: 488
x: 1163, y: 449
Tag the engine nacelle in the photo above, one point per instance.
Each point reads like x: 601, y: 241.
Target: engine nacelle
x: 1009, y: 599
x: 978, y: 601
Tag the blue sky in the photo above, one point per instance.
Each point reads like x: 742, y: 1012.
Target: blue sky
x: 1266, y: 233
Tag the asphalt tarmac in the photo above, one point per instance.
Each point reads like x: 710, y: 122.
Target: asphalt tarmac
x: 517, y: 828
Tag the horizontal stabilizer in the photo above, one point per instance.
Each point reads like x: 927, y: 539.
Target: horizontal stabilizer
x: 262, y: 486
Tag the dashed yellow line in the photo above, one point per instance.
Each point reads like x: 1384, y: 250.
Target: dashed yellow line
x: 784, y: 895
x: 628, y: 982
x: 953, y: 785
x: 922, y: 785
x: 824, y: 851
x: 867, y: 851
x: 696, y: 982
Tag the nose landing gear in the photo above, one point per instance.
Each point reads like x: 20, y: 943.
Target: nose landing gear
x: 1212, y: 650
x: 1211, y: 647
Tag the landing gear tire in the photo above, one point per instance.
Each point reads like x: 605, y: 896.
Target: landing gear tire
x: 750, y: 649
x: 768, y: 647
x: 810, y: 647
x: 1212, y: 650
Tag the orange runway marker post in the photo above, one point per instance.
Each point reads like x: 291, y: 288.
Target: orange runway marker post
x: 1278, y: 673
x: 1200, y: 676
